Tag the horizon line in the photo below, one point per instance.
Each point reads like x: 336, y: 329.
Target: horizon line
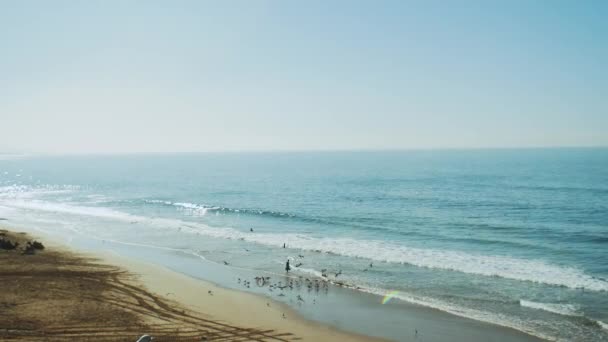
x: 355, y: 150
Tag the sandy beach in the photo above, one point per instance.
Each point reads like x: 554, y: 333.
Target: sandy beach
x: 408, y: 171
x: 60, y: 294
x: 55, y: 294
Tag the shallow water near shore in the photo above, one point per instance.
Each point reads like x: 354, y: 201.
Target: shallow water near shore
x: 513, y: 238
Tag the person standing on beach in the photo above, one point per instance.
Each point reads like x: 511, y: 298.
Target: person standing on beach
x: 287, y: 267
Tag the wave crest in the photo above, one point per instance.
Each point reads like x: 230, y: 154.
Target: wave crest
x: 560, y: 309
x: 537, y: 271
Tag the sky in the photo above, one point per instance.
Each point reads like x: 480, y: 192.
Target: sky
x: 187, y: 76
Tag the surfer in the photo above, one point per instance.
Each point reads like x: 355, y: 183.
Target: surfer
x: 287, y: 267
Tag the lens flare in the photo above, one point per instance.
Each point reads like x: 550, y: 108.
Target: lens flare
x: 389, y: 295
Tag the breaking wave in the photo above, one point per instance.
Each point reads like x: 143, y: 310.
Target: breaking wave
x: 537, y: 271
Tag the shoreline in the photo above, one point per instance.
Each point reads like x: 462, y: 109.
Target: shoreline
x: 233, y: 306
x: 264, y: 311
x: 197, y: 297
x: 152, y: 273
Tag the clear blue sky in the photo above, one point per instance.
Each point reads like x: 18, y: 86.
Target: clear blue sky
x: 162, y: 76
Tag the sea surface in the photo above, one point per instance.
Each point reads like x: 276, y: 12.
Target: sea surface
x: 517, y: 238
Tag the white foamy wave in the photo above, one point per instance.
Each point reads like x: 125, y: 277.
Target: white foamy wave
x: 506, y: 267
x: 602, y: 325
x: 560, y: 309
x: 486, y: 265
x: 194, y: 209
x: 189, y: 208
x: 479, y: 315
x: 159, y: 202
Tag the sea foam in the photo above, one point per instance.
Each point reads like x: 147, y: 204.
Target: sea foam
x: 479, y: 315
x: 189, y: 208
x: 560, y: 309
x: 537, y: 271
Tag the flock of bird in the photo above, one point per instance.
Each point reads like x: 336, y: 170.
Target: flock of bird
x: 290, y: 284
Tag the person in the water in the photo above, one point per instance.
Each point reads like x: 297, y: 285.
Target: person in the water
x: 287, y: 267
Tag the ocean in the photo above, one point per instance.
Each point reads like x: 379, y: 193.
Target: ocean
x: 512, y: 237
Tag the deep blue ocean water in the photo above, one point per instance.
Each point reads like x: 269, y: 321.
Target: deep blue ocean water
x: 512, y: 237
